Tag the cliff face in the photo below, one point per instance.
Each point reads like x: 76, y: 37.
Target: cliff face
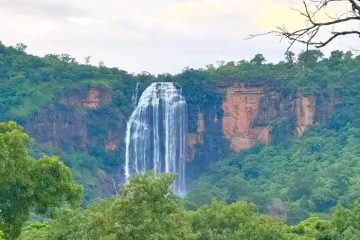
x: 305, y: 113
x: 73, y: 120
x: 248, y: 112
x: 196, y: 138
x: 58, y: 127
x: 82, y: 120
x: 91, y: 98
x: 242, y: 119
x: 88, y: 120
x: 241, y: 106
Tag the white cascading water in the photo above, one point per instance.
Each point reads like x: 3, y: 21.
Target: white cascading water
x: 156, y: 134
x: 135, y: 96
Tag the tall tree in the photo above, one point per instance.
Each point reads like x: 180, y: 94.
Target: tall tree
x: 146, y: 209
x: 26, y: 183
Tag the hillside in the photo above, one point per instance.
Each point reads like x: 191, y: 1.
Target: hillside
x: 80, y: 111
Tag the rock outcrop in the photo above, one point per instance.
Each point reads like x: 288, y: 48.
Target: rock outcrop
x: 196, y: 138
x: 305, y: 114
x: 74, y: 122
x: 249, y: 111
x: 92, y: 98
x: 235, y: 118
x: 240, y: 108
x: 58, y: 127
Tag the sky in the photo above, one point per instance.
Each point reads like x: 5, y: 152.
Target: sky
x: 157, y: 36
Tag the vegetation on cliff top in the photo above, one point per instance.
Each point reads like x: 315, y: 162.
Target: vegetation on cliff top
x: 30, y: 82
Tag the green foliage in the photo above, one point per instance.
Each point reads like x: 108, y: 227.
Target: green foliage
x: 53, y: 184
x: 28, y: 83
x: 343, y: 224
x: 236, y: 221
x: 310, y: 174
x: 26, y: 183
x: 147, y: 209
x: 310, y: 58
x: 258, y: 59
x: 87, y: 170
x: 290, y: 179
x: 35, y: 230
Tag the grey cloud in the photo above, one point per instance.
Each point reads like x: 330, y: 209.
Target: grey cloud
x: 49, y: 9
x: 135, y: 35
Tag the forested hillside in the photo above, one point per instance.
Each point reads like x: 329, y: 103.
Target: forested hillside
x: 296, y: 161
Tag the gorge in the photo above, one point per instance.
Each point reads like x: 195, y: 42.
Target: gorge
x: 82, y: 113
x: 241, y: 117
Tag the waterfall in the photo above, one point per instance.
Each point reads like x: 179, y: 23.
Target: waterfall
x: 156, y: 134
x: 134, y: 97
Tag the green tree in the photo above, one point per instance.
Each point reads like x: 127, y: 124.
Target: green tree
x: 26, y: 183
x: 20, y: 47
x: 35, y: 230
x: 310, y: 57
x: 146, y: 209
x: 258, y: 59
x: 235, y: 221
x: 290, y: 57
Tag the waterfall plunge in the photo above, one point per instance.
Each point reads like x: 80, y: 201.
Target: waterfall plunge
x: 156, y: 134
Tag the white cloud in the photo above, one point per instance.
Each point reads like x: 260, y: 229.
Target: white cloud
x: 136, y: 35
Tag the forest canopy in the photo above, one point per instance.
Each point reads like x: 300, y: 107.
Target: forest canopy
x: 295, y: 188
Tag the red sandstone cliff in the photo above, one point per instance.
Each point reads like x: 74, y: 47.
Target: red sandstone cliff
x: 92, y: 98
x: 305, y: 114
x: 248, y: 112
x: 240, y: 108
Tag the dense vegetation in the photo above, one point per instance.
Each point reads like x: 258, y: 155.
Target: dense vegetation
x: 148, y: 209
x: 295, y: 177
x: 29, y: 83
x: 289, y: 181
x: 27, y: 184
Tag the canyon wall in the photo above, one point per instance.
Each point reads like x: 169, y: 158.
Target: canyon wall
x: 240, y: 109
x: 90, y: 98
x: 78, y: 120
x: 249, y: 110
x: 196, y: 138
x: 242, y: 119
x: 242, y: 116
x: 305, y: 113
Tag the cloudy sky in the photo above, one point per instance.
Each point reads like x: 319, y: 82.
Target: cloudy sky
x: 151, y: 35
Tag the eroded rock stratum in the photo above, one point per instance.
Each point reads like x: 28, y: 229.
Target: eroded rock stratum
x: 240, y: 108
x: 250, y: 110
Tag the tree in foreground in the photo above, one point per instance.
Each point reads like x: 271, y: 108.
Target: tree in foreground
x: 236, y: 221
x: 146, y: 209
x: 342, y: 224
x: 27, y: 184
